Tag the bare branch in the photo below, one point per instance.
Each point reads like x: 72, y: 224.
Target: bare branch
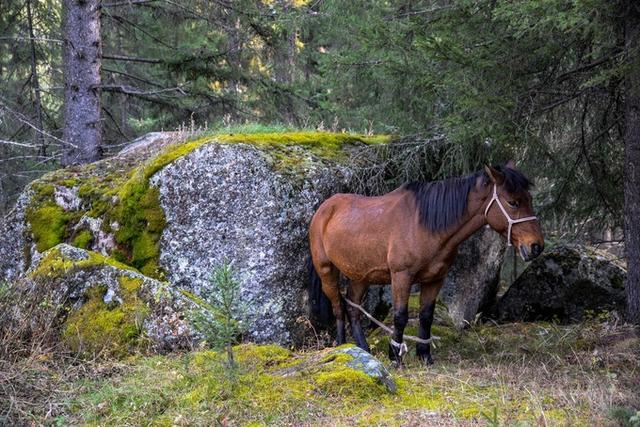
x: 36, y: 39
x: 132, y: 59
x: 127, y: 3
x: 19, y: 144
x: 128, y: 90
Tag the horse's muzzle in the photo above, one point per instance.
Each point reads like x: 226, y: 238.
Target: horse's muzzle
x: 528, y: 253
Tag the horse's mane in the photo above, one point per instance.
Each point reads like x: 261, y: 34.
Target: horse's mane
x: 441, y: 204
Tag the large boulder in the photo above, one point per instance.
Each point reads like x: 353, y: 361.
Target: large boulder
x: 472, y: 283
x: 229, y: 202
x: 172, y: 210
x: 565, y: 284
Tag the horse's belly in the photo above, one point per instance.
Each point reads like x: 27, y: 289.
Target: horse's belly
x: 372, y: 276
x: 356, y: 238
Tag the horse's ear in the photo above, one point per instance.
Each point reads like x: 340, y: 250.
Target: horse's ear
x: 511, y: 164
x: 494, y: 175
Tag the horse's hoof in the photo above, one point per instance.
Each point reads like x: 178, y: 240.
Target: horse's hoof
x: 394, y: 356
x: 426, y: 359
x: 397, y: 364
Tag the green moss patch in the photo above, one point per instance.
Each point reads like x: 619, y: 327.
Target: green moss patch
x: 117, y: 190
x: 48, y: 224
x: 82, y: 239
x: 55, y: 264
x: 106, y: 329
x: 274, y: 386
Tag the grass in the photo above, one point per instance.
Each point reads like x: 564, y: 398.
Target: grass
x: 513, y: 374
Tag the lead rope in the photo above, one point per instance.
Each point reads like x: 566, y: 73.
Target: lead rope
x: 402, y: 347
x: 511, y: 221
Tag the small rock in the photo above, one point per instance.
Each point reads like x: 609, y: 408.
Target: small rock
x: 365, y: 362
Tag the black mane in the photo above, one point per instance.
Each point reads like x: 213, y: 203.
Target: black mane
x: 441, y: 204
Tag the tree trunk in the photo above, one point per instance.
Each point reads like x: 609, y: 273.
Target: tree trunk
x: 82, y: 60
x: 632, y: 162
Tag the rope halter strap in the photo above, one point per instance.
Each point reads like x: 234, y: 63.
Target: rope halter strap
x: 511, y: 221
x: 402, y: 347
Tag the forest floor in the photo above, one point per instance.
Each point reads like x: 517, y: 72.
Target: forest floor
x: 511, y: 374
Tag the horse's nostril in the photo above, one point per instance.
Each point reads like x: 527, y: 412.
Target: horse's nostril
x: 536, y: 249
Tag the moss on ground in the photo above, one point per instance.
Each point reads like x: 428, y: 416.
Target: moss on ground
x: 118, y: 191
x: 511, y: 374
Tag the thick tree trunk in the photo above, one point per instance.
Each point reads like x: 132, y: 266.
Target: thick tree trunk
x: 82, y: 60
x: 632, y: 162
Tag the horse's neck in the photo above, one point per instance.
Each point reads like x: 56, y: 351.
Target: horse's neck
x: 471, y: 222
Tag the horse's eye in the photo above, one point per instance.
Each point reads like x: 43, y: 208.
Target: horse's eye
x: 513, y: 203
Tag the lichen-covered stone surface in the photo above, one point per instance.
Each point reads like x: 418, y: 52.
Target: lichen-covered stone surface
x: 13, y: 244
x: 227, y: 202
x: 372, y: 367
x: 98, y: 305
x: 566, y: 284
x: 472, y: 283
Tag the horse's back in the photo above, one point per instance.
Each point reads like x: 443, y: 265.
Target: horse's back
x: 354, y: 232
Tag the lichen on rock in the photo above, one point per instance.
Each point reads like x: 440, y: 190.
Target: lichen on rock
x: 567, y: 284
x: 99, y: 305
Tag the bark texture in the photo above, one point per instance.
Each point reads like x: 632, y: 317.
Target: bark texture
x: 632, y: 162
x: 82, y: 61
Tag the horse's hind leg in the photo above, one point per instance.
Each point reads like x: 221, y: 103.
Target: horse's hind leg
x: 401, y: 282
x: 356, y: 292
x: 329, y: 276
x: 428, y: 294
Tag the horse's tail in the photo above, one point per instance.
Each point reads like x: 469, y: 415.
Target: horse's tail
x: 320, y: 309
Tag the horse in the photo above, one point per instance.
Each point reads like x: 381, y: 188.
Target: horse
x: 410, y: 236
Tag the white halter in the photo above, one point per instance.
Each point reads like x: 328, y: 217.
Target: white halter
x: 511, y: 221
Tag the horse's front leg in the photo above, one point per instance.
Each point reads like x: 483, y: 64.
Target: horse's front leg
x: 400, y: 289
x: 428, y: 294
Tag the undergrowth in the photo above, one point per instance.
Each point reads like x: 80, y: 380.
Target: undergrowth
x: 515, y: 374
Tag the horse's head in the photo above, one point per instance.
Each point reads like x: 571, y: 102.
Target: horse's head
x: 509, y: 210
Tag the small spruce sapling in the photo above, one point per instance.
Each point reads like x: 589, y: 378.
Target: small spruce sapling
x: 219, y: 315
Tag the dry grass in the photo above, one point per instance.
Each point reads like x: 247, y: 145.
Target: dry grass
x: 515, y: 374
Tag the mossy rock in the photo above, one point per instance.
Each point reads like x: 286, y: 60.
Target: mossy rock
x: 100, y: 306
x: 122, y: 207
x: 117, y: 191
x: 112, y: 329
x: 566, y: 284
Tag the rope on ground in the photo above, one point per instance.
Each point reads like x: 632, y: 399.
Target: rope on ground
x: 388, y: 329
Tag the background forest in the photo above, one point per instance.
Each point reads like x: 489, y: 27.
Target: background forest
x: 93, y: 257
x: 537, y: 81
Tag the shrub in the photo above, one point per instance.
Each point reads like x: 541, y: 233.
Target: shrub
x: 219, y: 315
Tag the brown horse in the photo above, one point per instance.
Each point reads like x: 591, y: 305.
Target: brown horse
x: 411, y: 236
